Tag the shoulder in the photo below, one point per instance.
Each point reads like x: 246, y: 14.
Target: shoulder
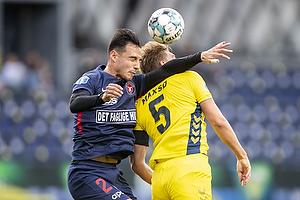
x: 91, y: 76
x: 138, y: 79
x: 139, y: 76
x: 191, y: 75
x: 94, y: 72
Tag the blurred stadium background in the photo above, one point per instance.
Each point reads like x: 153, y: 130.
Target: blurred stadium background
x: 45, y: 45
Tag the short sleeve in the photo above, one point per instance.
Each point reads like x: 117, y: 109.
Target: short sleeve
x: 201, y: 90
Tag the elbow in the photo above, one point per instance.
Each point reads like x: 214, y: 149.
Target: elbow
x: 220, y: 122
x: 73, y: 109
x: 132, y: 163
x: 71, y: 106
x: 134, y: 167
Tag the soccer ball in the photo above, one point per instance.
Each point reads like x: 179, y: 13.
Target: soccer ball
x: 166, y: 25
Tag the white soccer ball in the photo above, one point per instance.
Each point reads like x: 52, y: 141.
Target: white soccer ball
x: 166, y: 25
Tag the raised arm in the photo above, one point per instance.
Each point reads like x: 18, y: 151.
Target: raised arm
x: 180, y: 65
x: 211, y: 55
x: 228, y: 136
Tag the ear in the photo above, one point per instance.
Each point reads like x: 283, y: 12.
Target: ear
x: 113, y: 55
x: 162, y: 63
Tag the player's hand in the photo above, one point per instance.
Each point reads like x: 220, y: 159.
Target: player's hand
x: 211, y: 55
x: 112, y: 91
x: 244, y: 170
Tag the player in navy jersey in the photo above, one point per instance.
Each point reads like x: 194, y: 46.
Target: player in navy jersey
x: 103, y: 103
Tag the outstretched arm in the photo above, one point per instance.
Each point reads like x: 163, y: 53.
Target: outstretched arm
x: 212, y: 54
x: 180, y: 65
x: 227, y: 135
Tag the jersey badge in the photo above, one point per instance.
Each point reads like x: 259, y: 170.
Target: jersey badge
x: 130, y: 88
x: 82, y: 80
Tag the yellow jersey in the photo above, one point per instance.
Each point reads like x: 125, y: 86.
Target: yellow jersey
x: 171, y: 115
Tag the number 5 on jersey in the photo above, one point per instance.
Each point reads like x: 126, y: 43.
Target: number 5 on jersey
x: 163, y: 110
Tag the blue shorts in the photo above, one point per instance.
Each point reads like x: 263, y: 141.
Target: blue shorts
x: 95, y: 180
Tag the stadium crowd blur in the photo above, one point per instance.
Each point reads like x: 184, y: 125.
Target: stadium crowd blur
x: 258, y: 90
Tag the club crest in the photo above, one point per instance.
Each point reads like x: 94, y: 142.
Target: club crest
x: 130, y: 88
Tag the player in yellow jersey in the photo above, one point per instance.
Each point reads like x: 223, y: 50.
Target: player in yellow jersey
x: 173, y: 114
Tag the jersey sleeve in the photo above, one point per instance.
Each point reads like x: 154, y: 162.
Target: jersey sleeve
x: 81, y: 100
x: 87, y: 82
x: 201, y: 90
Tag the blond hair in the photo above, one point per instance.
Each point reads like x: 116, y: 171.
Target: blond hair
x: 152, y: 54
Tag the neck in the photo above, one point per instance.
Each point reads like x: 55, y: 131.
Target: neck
x: 111, y: 70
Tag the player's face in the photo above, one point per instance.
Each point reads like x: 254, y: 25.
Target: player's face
x: 128, y: 63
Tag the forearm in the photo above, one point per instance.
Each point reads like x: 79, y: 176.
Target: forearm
x: 222, y: 127
x: 172, y: 67
x: 228, y: 136
x: 143, y: 171
x: 182, y: 64
x: 138, y: 164
x: 81, y: 100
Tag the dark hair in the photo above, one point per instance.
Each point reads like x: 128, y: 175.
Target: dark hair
x: 152, y: 54
x: 121, y: 38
